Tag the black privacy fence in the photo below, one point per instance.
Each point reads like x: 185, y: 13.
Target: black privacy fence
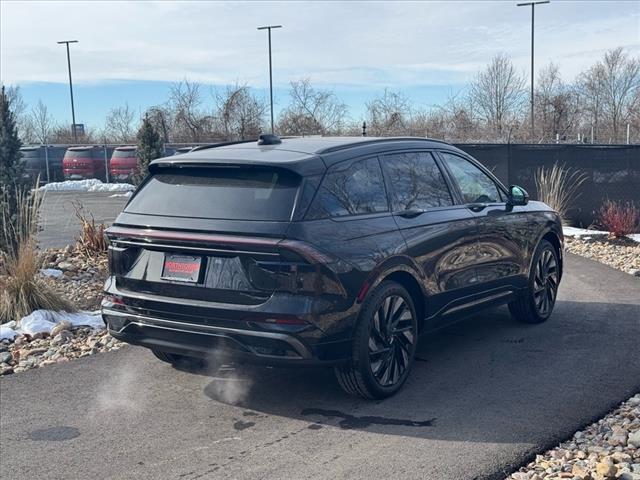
x: 612, y: 171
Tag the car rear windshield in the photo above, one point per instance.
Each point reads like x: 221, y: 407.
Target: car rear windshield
x: 124, y: 153
x: 79, y: 153
x: 219, y: 193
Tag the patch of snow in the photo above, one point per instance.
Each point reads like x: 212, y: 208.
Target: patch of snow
x: 581, y: 232
x: 51, y: 272
x: 45, y: 320
x: 7, y: 332
x: 87, y: 185
x: 127, y: 194
x: 586, y: 234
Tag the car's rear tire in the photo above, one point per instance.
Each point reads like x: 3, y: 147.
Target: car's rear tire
x: 384, y: 345
x: 535, y: 303
x: 179, y: 360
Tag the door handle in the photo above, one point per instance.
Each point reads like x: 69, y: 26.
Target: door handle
x: 477, y: 207
x: 410, y: 213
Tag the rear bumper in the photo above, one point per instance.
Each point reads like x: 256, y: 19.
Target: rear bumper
x: 206, y: 341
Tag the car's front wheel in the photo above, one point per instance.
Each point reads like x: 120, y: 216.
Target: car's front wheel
x: 536, y: 302
x: 384, y: 345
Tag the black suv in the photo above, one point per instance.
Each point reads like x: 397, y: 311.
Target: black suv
x: 330, y: 251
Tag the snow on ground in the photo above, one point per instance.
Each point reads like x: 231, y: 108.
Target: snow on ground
x: 126, y: 194
x: 51, y: 272
x: 583, y: 232
x: 44, y: 320
x: 88, y: 185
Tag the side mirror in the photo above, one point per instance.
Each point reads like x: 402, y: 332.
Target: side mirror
x: 517, y: 196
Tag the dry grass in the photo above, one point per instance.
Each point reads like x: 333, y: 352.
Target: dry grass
x: 21, y: 290
x: 619, y: 219
x: 558, y: 187
x: 92, y: 240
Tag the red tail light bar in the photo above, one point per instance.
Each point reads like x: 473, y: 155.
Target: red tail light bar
x: 146, y: 234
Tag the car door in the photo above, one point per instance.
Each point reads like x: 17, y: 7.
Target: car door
x: 503, y: 231
x: 439, y: 234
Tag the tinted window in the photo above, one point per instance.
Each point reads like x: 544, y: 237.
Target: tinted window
x: 84, y: 153
x: 222, y: 193
x: 415, y: 181
x: 350, y: 188
x: 474, y: 184
x: 124, y: 153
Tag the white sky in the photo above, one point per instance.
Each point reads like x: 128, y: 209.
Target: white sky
x: 349, y: 44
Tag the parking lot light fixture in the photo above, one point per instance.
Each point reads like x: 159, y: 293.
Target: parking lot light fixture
x: 533, y: 8
x: 73, y: 113
x: 268, y: 28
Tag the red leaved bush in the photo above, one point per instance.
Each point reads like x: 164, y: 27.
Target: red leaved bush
x: 619, y: 218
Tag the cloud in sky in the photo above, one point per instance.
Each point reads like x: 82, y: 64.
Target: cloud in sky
x: 340, y: 44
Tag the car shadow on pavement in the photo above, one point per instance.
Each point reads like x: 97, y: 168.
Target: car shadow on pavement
x: 486, y: 379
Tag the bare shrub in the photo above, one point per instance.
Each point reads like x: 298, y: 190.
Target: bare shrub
x: 22, y: 291
x: 92, y: 239
x: 558, y: 187
x: 618, y: 218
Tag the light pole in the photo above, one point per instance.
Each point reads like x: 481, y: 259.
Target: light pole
x: 73, y: 112
x: 533, y: 9
x: 269, y: 27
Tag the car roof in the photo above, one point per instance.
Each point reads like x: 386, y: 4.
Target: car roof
x: 305, y: 155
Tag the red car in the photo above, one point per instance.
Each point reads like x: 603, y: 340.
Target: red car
x: 124, y: 164
x: 84, y: 162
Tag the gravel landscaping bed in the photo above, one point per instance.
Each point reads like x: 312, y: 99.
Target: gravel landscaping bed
x: 606, y: 450
x: 610, y: 448
x: 80, y: 280
x: 620, y: 253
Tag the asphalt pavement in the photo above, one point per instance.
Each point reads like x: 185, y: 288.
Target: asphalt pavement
x: 484, y: 397
x: 58, y: 222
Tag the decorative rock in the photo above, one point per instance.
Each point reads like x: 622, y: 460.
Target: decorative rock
x: 606, y: 469
x: 634, y: 439
x: 5, y: 357
x: 59, y: 327
x: 618, y: 437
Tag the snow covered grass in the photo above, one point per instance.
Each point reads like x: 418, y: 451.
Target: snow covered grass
x: 88, y: 185
x: 583, y: 232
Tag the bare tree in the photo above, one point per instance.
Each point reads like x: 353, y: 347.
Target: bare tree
x: 190, y: 122
x: 161, y: 119
x: 42, y: 122
x: 388, y: 114
x: 498, y: 93
x: 610, y: 92
x: 19, y: 108
x: 239, y: 114
x: 557, y: 109
x: 621, y: 76
x: 119, y: 124
x: 312, y: 111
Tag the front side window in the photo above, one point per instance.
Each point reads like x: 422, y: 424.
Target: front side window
x: 415, y: 181
x: 350, y: 188
x: 474, y: 184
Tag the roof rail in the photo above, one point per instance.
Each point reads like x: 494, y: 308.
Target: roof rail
x: 345, y: 146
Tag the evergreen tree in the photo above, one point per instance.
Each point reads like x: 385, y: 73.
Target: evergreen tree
x: 149, y: 146
x: 12, y: 180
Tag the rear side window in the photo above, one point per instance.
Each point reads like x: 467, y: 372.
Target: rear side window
x: 475, y: 185
x: 415, y: 181
x: 219, y: 193
x: 350, y: 188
